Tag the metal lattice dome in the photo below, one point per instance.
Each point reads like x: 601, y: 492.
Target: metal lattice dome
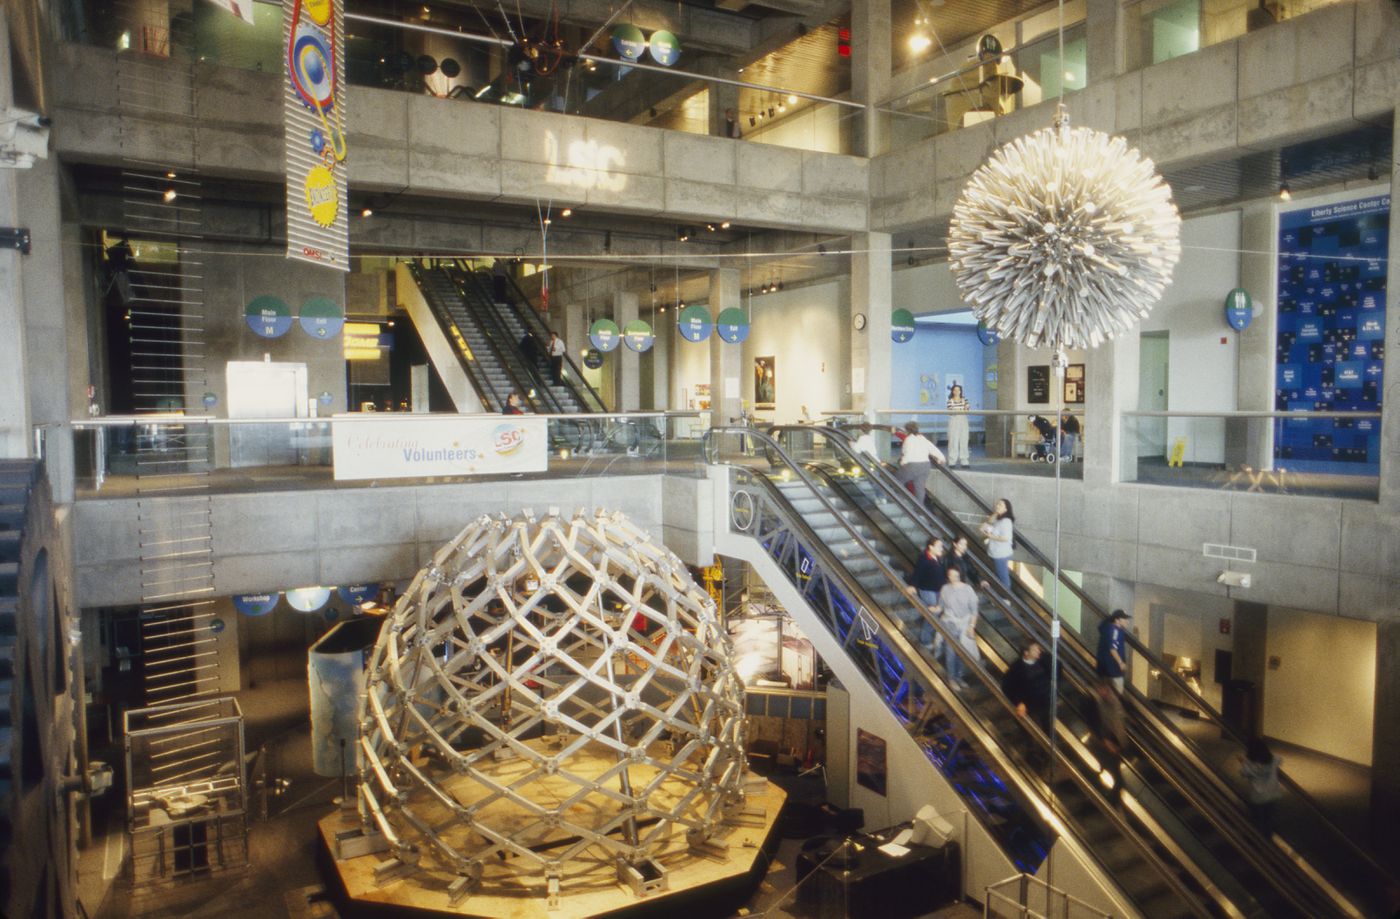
x: 550, y: 694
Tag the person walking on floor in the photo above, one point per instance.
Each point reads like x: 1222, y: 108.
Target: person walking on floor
x: 957, y: 429
x: 556, y: 351
x: 1111, y: 659
x: 916, y: 459
x: 925, y: 581
x: 958, y: 603
x: 1111, y: 736
x: 1069, y: 433
x: 1000, y: 530
x: 1259, y: 768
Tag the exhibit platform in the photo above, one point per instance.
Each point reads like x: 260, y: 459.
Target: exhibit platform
x: 696, y: 886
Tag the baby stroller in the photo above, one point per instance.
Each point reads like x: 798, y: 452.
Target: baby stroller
x: 1043, y: 452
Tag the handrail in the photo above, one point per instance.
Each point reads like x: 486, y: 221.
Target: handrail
x: 1212, y: 796
x: 113, y: 421
x: 972, y: 666
x: 1173, y: 677
x: 472, y: 368
x: 531, y: 317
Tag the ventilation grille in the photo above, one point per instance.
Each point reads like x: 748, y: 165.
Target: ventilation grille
x: 1229, y: 553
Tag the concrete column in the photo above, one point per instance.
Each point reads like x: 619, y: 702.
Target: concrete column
x: 726, y: 361
x: 14, y: 410
x: 872, y: 279
x: 722, y: 96
x: 1011, y: 365
x: 870, y: 72
x: 1385, y: 740
x: 575, y: 331
x: 1105, y: 40
x: 660, y: 354
x: 1253, y: 442
x: 1390, y: 405
x: 628, y: 369
x: 1111, y: 388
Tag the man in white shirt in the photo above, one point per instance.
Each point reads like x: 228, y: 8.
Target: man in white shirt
x: 556, y: 358
x: 916, y: 459
x: 865, y: 443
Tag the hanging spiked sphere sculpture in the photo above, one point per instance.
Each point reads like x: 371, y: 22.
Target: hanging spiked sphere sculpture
x: 1064, y: 238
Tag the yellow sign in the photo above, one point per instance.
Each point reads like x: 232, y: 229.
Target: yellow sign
x: 322, y: 200
x: 1178, y: 452
x: 319, y: 11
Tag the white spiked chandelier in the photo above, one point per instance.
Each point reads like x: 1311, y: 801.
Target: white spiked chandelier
x: 1064, y: 238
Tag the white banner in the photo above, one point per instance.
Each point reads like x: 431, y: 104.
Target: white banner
x: 413, y: 447
x: 243, y: 9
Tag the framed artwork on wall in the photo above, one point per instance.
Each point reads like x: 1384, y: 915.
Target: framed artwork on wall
x: 765, y: 382
x: 1074, y: 383
x: 1038, y: 384
x: 871, y: 769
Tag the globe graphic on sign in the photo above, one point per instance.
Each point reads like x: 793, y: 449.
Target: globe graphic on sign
x: 551, y: 699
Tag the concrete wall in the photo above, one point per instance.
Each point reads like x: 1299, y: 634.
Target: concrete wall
x: 420, y: 145
x: 279, y: 540
x: 1322, y: 73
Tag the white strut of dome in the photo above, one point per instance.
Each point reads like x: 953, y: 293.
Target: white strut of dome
x: 556, y: 690
x: 1064, y: 238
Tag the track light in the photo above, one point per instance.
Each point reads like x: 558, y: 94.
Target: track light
x: 1284, y: 192
x: 169, y: 195
x: 724, y: 226
x: 792, y: 100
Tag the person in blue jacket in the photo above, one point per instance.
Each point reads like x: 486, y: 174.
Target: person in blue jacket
x: 1113, y: 648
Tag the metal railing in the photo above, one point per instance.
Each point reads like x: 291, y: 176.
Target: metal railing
x: 1024, y: 896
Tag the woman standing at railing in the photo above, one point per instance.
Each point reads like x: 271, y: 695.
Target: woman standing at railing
x: 1000, y: 530
x: 957, y: 429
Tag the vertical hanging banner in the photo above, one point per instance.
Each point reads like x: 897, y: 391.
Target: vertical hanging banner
x: 313, y: 110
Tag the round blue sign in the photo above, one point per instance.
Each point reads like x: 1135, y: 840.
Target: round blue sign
x: 637, y: 335
x: 694, y: 323
x: 268, y: 316
x: 356, y: 594
x: 732, y: 325
x: 986, y: 334
x: 255, y: 604
x: 665, y: 49
x: 322, y: 317
x: 629, y: 42
x: 1239, y: 309
x: 593, y: 359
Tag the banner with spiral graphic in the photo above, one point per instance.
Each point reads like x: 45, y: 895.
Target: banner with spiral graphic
x: 318, y: 228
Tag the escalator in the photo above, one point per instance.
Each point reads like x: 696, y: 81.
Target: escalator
x: 849, y: 572
x: 1177, y: 785
x: 521, y: 316
x: 471, y: 352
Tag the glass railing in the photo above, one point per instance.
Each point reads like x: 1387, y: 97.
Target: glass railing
x: 1159, y: 30
x: 999, y: 441
x: 450, y: 53
x: 118, y: 456
x: 979, y: 92
x: 1320, y: 454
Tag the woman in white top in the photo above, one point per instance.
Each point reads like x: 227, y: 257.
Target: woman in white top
x: 916, y: 459
x: 1000, y: 530
x: 957, y: 428
x: 865, y: 443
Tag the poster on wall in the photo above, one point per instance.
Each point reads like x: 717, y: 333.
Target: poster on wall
x: 1038, y: 384
x: 313, y: 113
x: 1331, y: 333
x: 393, y: 448
x: 765, y: 382
x: 1074, y: 384
x: 872, y: 770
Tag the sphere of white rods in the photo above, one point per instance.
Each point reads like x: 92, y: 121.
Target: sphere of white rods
x: 1064, y: 238
x: 556, y: 689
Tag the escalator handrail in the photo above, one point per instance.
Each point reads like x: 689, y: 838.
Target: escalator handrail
x: 533, y: 321
x: 1214, y: 800
x: 988, y: 739
x: 475, y: 374
x: 490, y: 326
x: 1156, y: 663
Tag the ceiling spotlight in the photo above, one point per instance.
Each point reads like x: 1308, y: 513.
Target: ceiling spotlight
x: 547, y: 221
x: 680, y: 304
x: 169, y: 195
x: 724, y: 226
x: 170, y: 174
x: 792, y: 100
x: 919, y: 42
x: 567, y: 212
x: 1284, y: 192
x: 663, y: 309
x: 367, y: 212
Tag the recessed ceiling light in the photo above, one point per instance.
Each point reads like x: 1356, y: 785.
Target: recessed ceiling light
x: 919, y: 41
x: 567, y: 212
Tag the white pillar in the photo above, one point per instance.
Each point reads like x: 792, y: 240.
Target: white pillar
x: 629, y: 373
x: 726, y: 371
x: 1110, y: 389
x: 872, y: 279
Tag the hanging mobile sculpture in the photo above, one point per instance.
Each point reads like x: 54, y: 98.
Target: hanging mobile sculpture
x: 1064, y: 238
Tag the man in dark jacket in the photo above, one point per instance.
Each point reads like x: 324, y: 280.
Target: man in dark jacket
x: 1027, y: 685
x: 1113, y: 648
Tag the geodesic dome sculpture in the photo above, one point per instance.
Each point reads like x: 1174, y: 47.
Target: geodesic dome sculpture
x: 549, y: 696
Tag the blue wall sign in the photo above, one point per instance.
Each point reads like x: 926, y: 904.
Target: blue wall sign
x: 901, y: 326
x: 256, y: 604
x: 1239, y: 309
x: 269, y: 317
x: 694, y: 323
x: 732, y: 325
x: 605, y: 335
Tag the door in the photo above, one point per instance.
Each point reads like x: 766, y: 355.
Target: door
x: 1152, y: 395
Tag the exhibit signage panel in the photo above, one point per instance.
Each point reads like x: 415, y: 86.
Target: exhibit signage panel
x: 313, y: 111
x: 409, y: 448
x: 1331, y: 332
